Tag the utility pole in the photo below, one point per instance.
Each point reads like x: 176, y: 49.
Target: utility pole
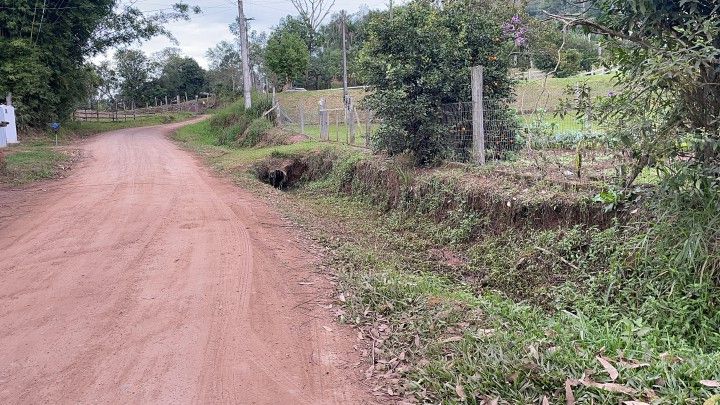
x: 344, y: 51
x: 245, y: 54
x: 391, y: 9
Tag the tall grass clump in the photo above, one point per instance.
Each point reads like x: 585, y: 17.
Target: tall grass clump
x: 232, y: 121
x: 667, y: 269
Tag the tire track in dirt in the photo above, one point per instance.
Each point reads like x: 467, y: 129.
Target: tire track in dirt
x: 143, y: 279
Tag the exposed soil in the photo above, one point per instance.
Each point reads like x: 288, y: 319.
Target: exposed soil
x: 141, y: 278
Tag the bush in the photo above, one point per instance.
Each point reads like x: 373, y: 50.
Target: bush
x: 442, y: 43
x: 254, y: 132
x: 231, y: 122
x: 230, y: 135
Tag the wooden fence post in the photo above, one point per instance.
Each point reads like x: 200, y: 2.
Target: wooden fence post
x: 351, y: 122
x: 368, y: 118
x: 478, y: 115
x: 302, y: 118
x: 324, y: 122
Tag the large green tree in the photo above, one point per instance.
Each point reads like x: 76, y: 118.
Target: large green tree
x: 45, y: 46
x: 134, y: 70
x: 183, y: 75
x: 286, y: 56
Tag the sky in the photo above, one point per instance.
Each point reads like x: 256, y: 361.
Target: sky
x: 205, y: 30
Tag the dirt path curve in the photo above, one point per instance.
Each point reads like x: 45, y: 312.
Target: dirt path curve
x: 143, y: 279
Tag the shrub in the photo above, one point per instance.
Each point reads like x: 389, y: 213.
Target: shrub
x: 419, y: 59
x: 231, y: 134
x: 254, y: 132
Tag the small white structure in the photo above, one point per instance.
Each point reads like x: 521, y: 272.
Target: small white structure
x: 7, y: 113
x: 3, y: 137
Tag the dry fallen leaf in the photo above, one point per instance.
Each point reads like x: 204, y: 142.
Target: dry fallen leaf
x: 634, y: 403
x: 612, y: 387
x: 460, y: 391
x: 341, y: 297
x: 534, y: 352
x: 545, y: 400
x: 569, y: 396
x: 710, y: 383
x: 633, y: 365
x: 612, y: 371
x: 453, y: 339
x: 713, y: 400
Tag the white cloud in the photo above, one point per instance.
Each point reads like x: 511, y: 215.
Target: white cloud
x: 204, y: 31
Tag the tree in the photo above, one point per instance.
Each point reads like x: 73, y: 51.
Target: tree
x: 668, y: 56
x: 578, y: 53
x: 286, y: 56
x: 225, y: 67
x: 183, y: 75
x: 133, y: 71
x: 312, y: 14
x: 419, y: 59
x: 43, y: 50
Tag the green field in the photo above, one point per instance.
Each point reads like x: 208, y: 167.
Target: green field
x: 530, y: 94
x: 547, y: 94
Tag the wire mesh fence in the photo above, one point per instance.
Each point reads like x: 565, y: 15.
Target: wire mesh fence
x: 501, y: 130
x: 506, y: 131
x: 353, y: 126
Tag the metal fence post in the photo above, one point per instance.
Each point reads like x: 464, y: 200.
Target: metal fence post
x: 478, y: 115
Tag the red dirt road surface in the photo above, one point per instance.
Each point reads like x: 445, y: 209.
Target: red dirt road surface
x: 141, y: 278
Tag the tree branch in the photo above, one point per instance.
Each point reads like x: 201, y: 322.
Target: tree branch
x: 597, y: 28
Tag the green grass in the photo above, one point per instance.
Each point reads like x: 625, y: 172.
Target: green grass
x: 449, y: 333
x: 337, y: 133
x: 26, y: 165
x: 202, y: 138
x: 547, y: 94
x: 309, y: 100
x: 530, y: 94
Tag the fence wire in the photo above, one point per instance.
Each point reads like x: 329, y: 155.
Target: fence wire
x: 355, y: 127
x: 500, y: 127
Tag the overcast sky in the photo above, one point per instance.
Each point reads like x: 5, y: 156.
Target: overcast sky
x: 207, y: 29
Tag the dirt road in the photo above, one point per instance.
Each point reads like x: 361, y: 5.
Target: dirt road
x: 143, y: 279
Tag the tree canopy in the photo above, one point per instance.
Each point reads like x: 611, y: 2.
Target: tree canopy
x: 286, y: 56
x: 668, y: 57
x: 419, y: 58
x: 44, y: 49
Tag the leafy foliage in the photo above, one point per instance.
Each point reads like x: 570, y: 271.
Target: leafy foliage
x: 286, y: 56
x: 43, y: 50
x: 419, y: 59
x: 668, y: 55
